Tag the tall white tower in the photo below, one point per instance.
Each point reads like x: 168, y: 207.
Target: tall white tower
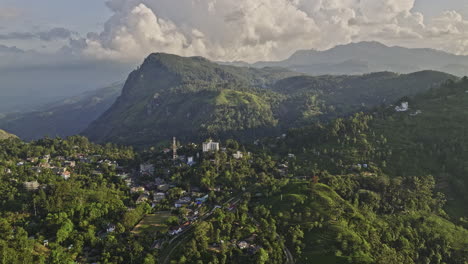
x: 174, y: 148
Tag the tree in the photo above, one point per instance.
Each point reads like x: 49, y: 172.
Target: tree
x: 65, y: 230
x: 261, y: 256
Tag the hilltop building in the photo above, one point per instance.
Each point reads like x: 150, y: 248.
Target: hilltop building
x: 210, y: 146
x: 403, y: 107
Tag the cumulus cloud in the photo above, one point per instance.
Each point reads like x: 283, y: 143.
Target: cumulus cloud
x: 215, y: 29
x: 50, y: 35
x: 252, y: 30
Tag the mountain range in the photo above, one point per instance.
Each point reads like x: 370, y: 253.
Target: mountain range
x: 194, y: 98
x: 366, y: 57
x: 62, y: 118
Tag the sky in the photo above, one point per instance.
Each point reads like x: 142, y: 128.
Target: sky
x: 249, y: 30
x: 65, y: 35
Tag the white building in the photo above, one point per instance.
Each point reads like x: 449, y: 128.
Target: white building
x: 238, y: 155
x: 190, y: 161
x: 31, y: 186
x: 210, y: 146
x: 158, y: 197
x: 403, y: 107
x: 175, y: 231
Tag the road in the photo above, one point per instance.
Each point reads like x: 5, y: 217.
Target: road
x: 177, y: 240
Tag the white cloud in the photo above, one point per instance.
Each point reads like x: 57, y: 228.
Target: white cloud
x: 253, y: 30
x: 138, y: 30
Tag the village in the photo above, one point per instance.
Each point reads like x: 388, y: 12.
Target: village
x: 173, y: 209
x: 188, y: 206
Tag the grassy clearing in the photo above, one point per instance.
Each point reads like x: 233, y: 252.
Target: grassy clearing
x: 152, y: 223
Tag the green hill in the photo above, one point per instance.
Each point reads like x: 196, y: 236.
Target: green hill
x: 189, y: 98
x: 355, y: 219
x: 193, y: 98
x: 5, y: 135
x: 427, y: 139
x: 63, y: 118
x: 431, y: 138
x: 328, y: 97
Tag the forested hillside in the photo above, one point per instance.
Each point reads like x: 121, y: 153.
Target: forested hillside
x: 193, y: 98
x: 73, y: 201
x: 321, y: 183
x: 427, y: 139
x: 5, y: 135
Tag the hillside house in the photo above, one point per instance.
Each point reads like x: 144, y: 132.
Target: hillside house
x: 174, y: 232
x: 31, y: 186
x: 243, y: 245
x: 137, y: 189
x: 128, y: 182
x: 201, y: 199
x: 403, y: 107
x: 190, y: 161
x: 238, y: 155
x: 144, y: 197
x: 158, y: 197
x: 69, y: 163
x: 66, y: 175
x: 110, y: 228
x: 182, y: 201
x: 163, y: 187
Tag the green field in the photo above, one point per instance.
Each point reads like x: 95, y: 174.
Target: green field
x: 152, y: 223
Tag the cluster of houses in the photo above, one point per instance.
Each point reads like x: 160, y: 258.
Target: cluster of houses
x: 157, y: 191
x: 247, y: 245
x: 62, y: 166
x: 159, y: 188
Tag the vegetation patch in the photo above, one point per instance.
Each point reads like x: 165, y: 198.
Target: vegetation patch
x: 152, y: 223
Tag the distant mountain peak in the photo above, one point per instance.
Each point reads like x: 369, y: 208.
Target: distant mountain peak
x: 172, y: 58
x: 364, y: 44
x: 372, y: 56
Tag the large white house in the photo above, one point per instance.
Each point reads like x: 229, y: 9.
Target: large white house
x: 210, y: 146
